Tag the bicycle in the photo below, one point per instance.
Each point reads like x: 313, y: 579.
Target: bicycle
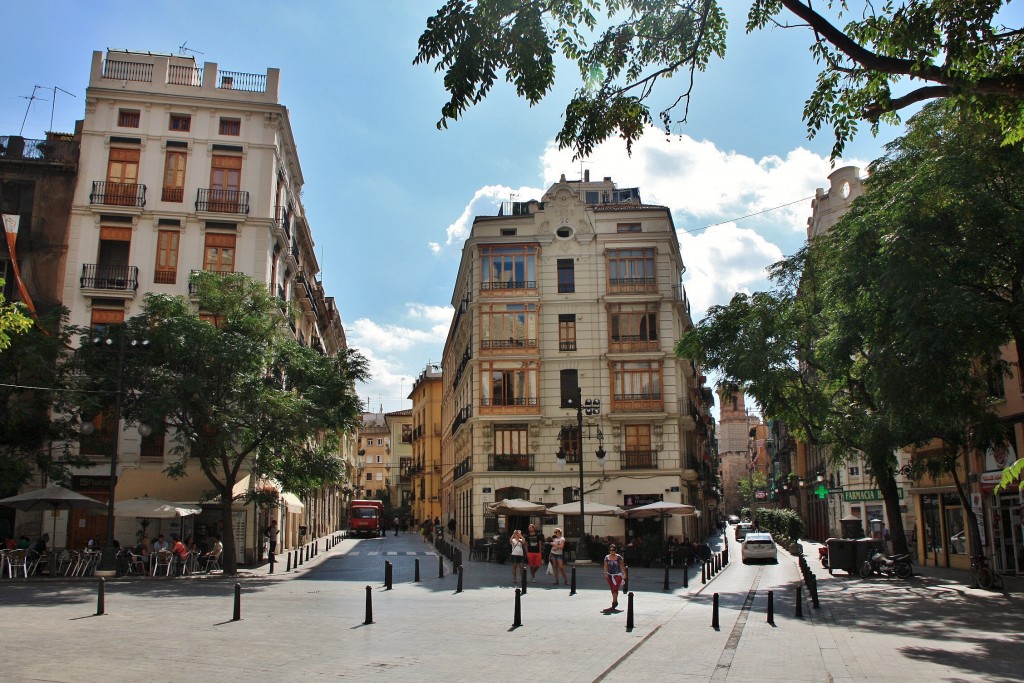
x: 983, y: 575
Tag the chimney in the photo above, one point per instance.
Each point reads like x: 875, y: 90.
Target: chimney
x: 586, y: 176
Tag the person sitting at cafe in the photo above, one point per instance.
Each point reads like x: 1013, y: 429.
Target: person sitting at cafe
x: 214, y: 555
x: 24, y: 542
x: 180, y: 553
x: 40, y: 545
x: 160, y: 544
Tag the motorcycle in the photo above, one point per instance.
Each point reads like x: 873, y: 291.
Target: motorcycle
x: 887, y: 566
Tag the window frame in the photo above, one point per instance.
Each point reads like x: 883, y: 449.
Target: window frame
x: 518, y: 260
x: 220, y: 242
x: 129, y: 118
x: 567, y: 332
x: 178, y: 119
x: 628, y: 385
x: 633, y: 326
x: 632, y: 270
x: 231, y: 126
x: 168, y: 243
x: 566, y: 269
x: 175, y: 165
x: 505, y: 326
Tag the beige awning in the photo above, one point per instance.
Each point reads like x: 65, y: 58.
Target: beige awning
x: 292, y: 502
x: 194, y: 487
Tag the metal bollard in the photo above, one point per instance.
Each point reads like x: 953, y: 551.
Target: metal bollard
x: 369, y: 606
x: 686, y: 576
x: 523, y: 576
x: 714, y: 611
x: 298, y: 561
x: 440, y: 567
x: 100, y: 606
x: 629, y: 612
x: 664, y: 586
x: 572, y: 585
x: 517, y: 619
x: 387, y: 575
x: 458, y: 587
x: 417, y: 576
x: 771, y: 607
x: 799, y: 603
x: 704, y: 572
x: 725, y: 556
x: 812, y: 587
x: 272, y: 555
x: 238, y: 603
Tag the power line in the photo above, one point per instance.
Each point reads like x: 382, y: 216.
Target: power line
x: 750, y: 215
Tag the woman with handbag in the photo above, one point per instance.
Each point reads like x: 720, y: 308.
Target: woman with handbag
x: 615, y: 572
x: 557, y: 555
x: 518, y: 554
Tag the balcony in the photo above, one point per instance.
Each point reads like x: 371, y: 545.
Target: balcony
x: 463, y: 468
x: 128, y: 71
x: 17, y: 148
x: 234, y: 80
x: 118, y: 194
x: 508, y: 401
x: 508, y: 344
x: 222, y: 201
x: 632, y: 285
x: 631, y: 343
x: 193, y: 287
x: 637, y: 402
x: 510, y: 462
x: 172, y: 194
x: 639, y: 460
x: 463, y: 415
x: 567, y: 345
x: 512, y: 284
x: 116, y: 278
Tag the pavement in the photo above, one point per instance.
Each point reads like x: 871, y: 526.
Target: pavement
x: 309, y: 623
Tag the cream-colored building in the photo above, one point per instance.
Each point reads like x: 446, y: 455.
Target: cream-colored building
x: 373, y: 474
x: 187, y: 167
x: 578, y: 289
x: 399, y: 425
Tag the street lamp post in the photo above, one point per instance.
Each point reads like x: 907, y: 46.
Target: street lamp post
x: 590, y: 407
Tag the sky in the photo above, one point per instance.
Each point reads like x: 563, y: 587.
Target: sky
x: 390, y: 198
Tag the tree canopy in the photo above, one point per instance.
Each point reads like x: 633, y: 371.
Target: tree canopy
x: 225, y: 375
x: 882, y: 60
x: 886, y: 331
x: 12, y: 320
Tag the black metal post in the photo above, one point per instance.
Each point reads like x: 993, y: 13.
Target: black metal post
x: 665, y: 585
x: 799, y: 603
x: 458, y: 588
x: 387, y: 575
x: 417, y: 577
x: 704, y: 572
x: 629, y: 612
x: 100, y: 606
x: 237, y: 616
x: 517, y: 618
x: 572, y: 585
x: 369, y: 606
x: 288, y: 562
x: 272, y: 562
x: 714, y: 611
x: 440, y: 567
x: 522, y: 575
x: 771, y: 607
x: 686, y: 576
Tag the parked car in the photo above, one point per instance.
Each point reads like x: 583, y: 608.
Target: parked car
x: 742, y: 529
x: 733, y: 519
x: 758, y: 545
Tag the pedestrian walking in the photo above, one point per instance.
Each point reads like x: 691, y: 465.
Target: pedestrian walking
x: 557, y: 556
x: 518, y: 544
x: 396, y: 526
x: 615, y: 572
x: 534, y: 548
x: 451, y: 528
x: 271, y: 533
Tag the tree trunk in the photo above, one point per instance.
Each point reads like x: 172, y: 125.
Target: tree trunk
x: 891, y: 497
x: 228, y: 531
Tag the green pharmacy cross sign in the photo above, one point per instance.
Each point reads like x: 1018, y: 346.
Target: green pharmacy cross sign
x: 821, y: 491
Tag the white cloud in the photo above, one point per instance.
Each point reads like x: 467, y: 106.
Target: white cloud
x: 485, y: 202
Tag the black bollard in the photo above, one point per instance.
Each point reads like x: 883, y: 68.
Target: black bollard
x: 664, y: 586
x: 272, y: 562
x: 387, y: 575
x: 369, y: 606
x: 812, y: 587
x: 100, y: 606
x: 523, y: 576
x: 238, y: 603
x: 458, y: 588
x: 629, y: 612
x: 572, y: 585
x: 714, y: 611
x: 517, y: 619
x: 686, y: 576
x: 298, y: 561
x: 771, y: 607
x: 308, y: 555
x: 417, y: 576
x: 718, y: 559
x: 799, y: 603
x: 704, y: 572
x: 288, y: 562
x: 440, y: 567
x: 725, y: 556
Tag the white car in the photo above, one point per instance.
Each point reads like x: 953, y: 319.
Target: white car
x: 759, y: 546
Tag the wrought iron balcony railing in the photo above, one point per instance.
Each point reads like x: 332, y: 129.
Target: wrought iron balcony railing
x: 17, y: 148
x: 120, y: 278
x: 222, y: 201
x: 118, y: 194
x: 639, y: 460
x: 510, y: 462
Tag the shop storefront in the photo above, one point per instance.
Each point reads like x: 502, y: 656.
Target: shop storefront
x: 1002, y: 513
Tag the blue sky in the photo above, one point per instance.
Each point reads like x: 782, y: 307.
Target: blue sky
x: 390, y: 198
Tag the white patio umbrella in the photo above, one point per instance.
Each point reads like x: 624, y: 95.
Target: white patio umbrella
x: 516, y: 506
x: 53, y: 497
x: 661, y: 509
x: 590, y: 509
x: 154, y: 508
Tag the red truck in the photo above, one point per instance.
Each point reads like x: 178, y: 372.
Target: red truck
x: 366, y: 518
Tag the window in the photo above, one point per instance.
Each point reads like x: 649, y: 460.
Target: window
x: 636, y: 385
x: 369, y: 476
x: 174, y: 177
x: 166, y: 257
x: 181, y: 123
x: 128, y: 118
x: 566, y: 276
x: 569, y: 443
x: 509, y: 383
x: 509, y: 326
x: 225, y: 179
x: 380, y: 458
x: 122, y: 177
x: 508, y: 232
x: 513, y: 267
x: 638, y: 453
x: 854, y: 471
x: 219, y: 255
x: 102, y: 317
x: 633, y: 327
x: 380, y: 476
x: 511, y: 438
x: 230, y: 126
x: 567, y: 332
x: 631, y: 270
x: 627, y: 227
x: 380, y: 442
x: 568, y: 381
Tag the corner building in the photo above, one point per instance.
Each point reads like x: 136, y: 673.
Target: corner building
x: 183, y: 168
x: 580, y: 289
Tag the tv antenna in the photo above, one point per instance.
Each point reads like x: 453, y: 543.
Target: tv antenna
x: 30, y: 99
x: 183, y: 50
